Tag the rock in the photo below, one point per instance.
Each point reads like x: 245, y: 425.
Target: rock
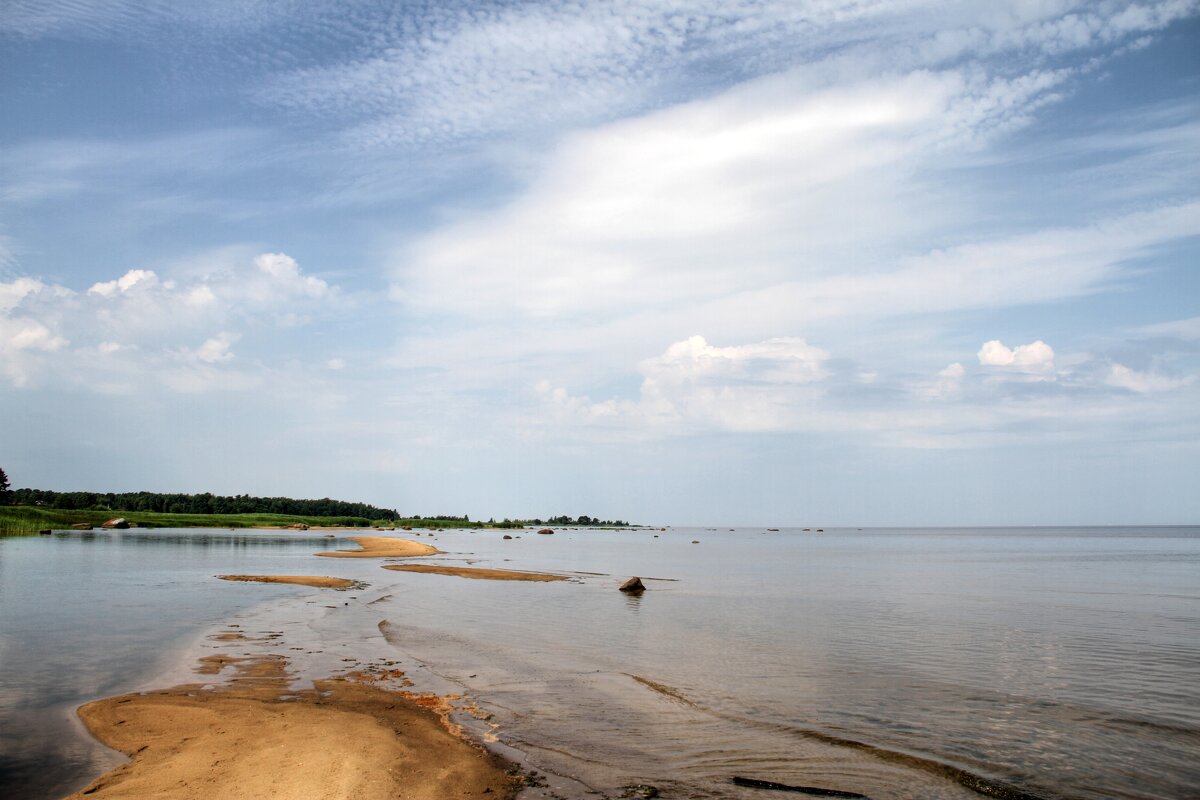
x: 299, y: 526
x: 45, y: 531
x: 695, y: 541
x: 546, y: 531
x: 633, y: 586
x: 506, y: 536
x: 119, y: 522
x: 81, y: 526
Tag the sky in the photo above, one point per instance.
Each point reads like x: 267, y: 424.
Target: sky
x: 837, y: 262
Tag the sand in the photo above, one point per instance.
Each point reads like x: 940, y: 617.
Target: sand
x: 384, y: 547
x: 344, y: 739
x: 321, y: 581
x: 473, y: 572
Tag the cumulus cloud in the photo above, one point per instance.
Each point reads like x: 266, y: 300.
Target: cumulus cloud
x: 1035, y: 358
x: 140, y: 278
x: 141, y: 321
x: 692, y: 385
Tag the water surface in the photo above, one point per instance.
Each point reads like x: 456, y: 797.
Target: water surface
x: 1055, y: 663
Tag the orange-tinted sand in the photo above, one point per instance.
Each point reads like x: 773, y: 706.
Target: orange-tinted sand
x: 474, y: 572
x: 321, y: 581
x: 344, y: 739
x: 384, y: 547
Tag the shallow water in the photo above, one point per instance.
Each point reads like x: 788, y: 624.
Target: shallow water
x: 895, y: 663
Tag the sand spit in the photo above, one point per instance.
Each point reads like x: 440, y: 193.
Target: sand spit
x: 320, y: 581
x: 343, y: 739
x: 478, y: 573
x: 384, y: 547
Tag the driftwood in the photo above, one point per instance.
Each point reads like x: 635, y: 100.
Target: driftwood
x: 754, y: 783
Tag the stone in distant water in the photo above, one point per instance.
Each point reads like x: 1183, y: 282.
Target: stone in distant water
x: 299, y: 526
x: 81, y: 526
x: 506, y: 536
x: 546, y: 531
x: 633, y: 586
x: 695, y: 541
x: 45, y: 531
x: 119, y: 522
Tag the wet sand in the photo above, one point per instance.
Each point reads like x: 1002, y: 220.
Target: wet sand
x: 321, y: 581
x: 384, y: 547
x: 478, y: 573
x: 255, y: 738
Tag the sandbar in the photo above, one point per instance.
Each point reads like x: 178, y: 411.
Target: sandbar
x: 384, y: 547
x: 475, y: 572
x: 342, y: 739
x: 321, y: 581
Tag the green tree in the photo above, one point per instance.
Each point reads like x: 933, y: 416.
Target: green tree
x: 3, y: 487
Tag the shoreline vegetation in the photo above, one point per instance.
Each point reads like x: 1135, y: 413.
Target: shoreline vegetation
x: 32, y: 510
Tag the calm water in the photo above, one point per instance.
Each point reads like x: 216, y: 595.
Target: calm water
x: 896, y: 663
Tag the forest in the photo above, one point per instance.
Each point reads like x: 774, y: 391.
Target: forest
x: 197, y: 504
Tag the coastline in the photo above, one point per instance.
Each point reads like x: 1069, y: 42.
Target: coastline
x: 255, y: 736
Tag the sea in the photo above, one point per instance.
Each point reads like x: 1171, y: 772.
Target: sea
x: 1047, y: 663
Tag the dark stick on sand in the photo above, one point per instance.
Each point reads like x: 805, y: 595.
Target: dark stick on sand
x: 754, y: 783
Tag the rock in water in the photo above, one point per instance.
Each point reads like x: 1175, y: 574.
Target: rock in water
x: 119, y: 522
x: 81, y: 526
x: 45, y: 531
x: 546, y: 531
x: 506, y: 536
x: 633, y: 585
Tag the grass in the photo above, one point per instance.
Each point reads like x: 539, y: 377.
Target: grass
x: 30, y: 519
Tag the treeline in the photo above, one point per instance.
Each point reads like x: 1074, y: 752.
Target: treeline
x: 198, y: 504
x: 583, y: 521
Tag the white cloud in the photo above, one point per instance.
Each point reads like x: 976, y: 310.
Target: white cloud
x: 216, y: 349
x: 11, y: 294
x: 1123, y: 377
x: 1035, y: 358
x: 335, y: 364
x: 1186, y: 329
x: 949, y: 382
x: 285, y: 274
x: 139, y: 278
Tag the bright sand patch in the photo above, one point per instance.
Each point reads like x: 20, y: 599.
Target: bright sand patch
x: 384, y: 547
x: 321, y: 581
x: 473, y: 572
x: 344, y: 739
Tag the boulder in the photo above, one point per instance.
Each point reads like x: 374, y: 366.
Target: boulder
x: 546, y: 531
x: 81, y: 526
x: 695, y: 541
x: 119, y: 522
x: 506, y: 536
x: 633, y: 586
x: 45, y: 531
x: 299, y: 526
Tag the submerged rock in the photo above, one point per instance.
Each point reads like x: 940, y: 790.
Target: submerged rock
x: 546, y: 531
x: 506, y: 536
x: 81, y: 526
x: 633, y: 586
x: 45, y: 531
x: 118, y: 522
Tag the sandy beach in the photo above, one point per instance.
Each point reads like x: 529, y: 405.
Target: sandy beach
x: 254, y: 737
x: 477, y: 573
x: 319, y: 581
x: 384, y: 547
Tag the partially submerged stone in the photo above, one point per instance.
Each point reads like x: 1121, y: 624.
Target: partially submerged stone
x: 118, y: 522
x: 546, y: 531
x: 633, y: 586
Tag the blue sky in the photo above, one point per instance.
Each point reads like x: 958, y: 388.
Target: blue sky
x: 836, y: 262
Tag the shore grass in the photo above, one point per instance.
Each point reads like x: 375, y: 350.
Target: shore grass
x: 29, y: 519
